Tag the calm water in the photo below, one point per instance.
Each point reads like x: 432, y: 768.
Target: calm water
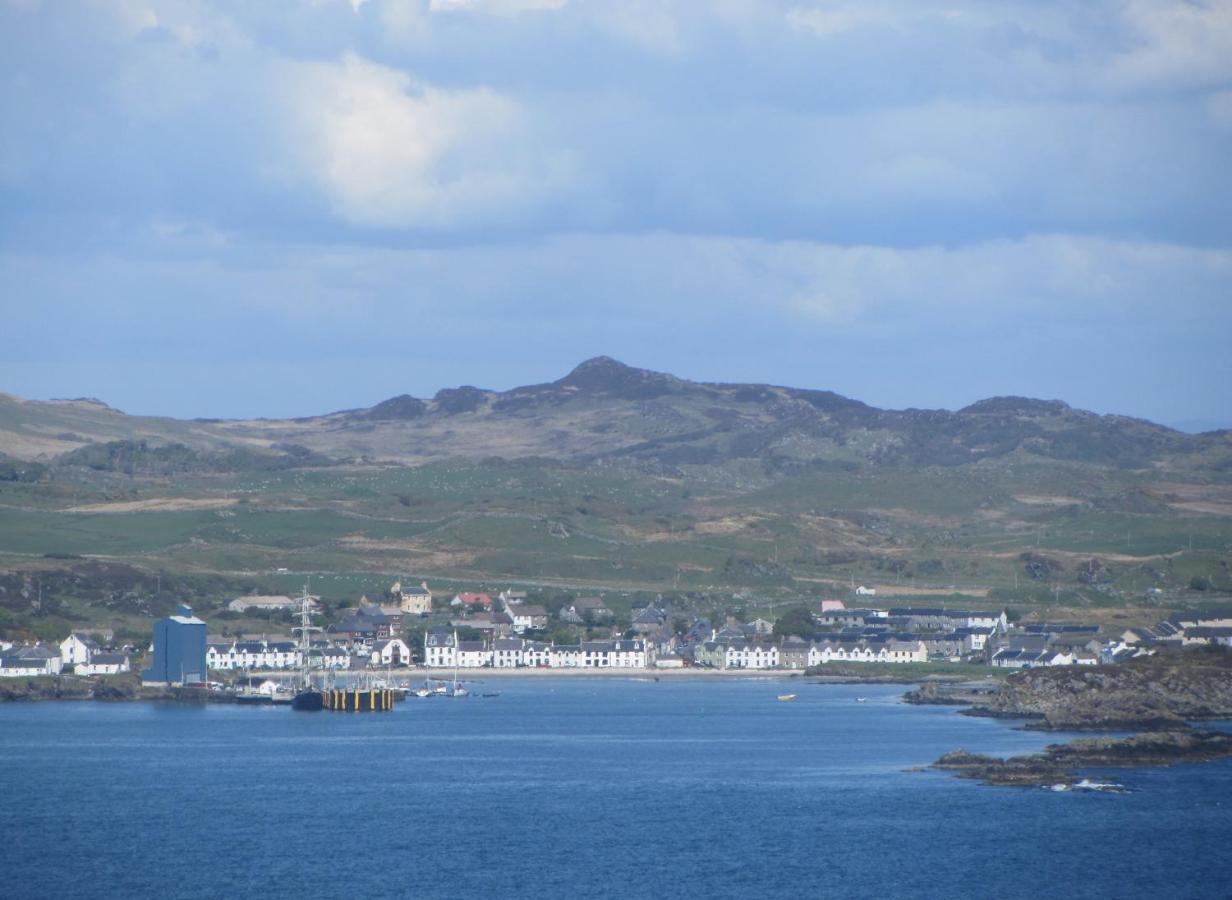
x: 578, y: 787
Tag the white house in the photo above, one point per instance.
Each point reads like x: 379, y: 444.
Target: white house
x: 983, y: 619
x: 903, y: 652
x: 76, y: 649
x: 44, y: 659
x: 104, y: 664
x: 18, y: 667
x: 440, y: 650
x: 863, y: 591
x: 565, y: 656
x: 741, y: 655
x: 474, y: 654
x: 393, y: 652
x: 507, y: 653
x: 328, y: 657
x: 536, y: 654
x: 253, y: 655
x: 635, y: 654
x: 840, y: 652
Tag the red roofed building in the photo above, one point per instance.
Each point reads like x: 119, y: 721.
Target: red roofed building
x: 472, y: 601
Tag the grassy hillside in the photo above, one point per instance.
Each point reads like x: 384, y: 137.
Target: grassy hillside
x: 630, y: 482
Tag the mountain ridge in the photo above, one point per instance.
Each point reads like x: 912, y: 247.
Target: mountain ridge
x: 605, y: 409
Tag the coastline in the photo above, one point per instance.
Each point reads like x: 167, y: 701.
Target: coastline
x: 120, y: 689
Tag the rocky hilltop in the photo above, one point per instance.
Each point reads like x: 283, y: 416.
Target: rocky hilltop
x: 606, y: 410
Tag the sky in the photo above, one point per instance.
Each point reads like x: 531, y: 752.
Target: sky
x: 233, y: 209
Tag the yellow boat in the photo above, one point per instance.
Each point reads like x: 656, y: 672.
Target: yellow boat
x: 786, y: 697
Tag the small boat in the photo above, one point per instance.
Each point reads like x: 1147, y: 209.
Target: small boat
x: 787, y: 697
x: 861, y: 699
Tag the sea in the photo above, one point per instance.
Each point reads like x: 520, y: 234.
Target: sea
x: 580, y: 787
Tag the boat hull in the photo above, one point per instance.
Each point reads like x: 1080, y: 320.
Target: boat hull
x: 308, y: 701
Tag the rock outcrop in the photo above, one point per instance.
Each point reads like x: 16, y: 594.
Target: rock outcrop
x: 1162, y: 691
x: 1056, y: 765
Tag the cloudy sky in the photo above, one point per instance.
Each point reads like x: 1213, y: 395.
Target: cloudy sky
x: 230, y: 208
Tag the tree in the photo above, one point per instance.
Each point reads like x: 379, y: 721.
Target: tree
x: 563, y: 636
x: 798, y: 621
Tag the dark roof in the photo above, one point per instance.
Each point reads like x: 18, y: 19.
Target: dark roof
x: 595, y: 603
x: 17, y: 662
x: 108, y: 659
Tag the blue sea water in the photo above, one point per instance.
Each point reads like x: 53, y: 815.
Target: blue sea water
x: 578, y: 787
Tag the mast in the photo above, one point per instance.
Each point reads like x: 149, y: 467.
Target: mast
x: 305, y: 629
x: 455, y: 661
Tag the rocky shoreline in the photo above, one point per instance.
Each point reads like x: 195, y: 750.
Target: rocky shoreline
x: 1156, y: 692
x: 109, y: 689
x: 1056, y: 765
x: 1158, y: 696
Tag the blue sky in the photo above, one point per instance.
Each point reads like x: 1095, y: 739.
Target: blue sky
x: 237, y: 209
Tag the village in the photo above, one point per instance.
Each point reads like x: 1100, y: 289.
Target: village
x: 507, y: 632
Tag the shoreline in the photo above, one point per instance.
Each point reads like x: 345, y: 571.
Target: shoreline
x: 66, y: 688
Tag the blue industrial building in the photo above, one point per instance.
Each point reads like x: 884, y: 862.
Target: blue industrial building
x: 179, y: 650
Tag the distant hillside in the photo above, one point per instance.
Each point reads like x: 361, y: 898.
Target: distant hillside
x: 604, y: 410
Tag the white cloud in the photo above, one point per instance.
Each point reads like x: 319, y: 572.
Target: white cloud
x: 1175, y: 45
x: 388, y: 151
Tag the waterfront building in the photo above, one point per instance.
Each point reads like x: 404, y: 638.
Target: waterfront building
x: 77, y: 648
x: 565, y: 656
x: 179, y: 650
x: 32, y: 659
x: 536, y: 654
x: 507, y: 653
x: 440, y: 649
x: 104, y: 664
x: 23, y: 667
x: 474, y: 654
x: 744, y: 655
x: 393, y: 652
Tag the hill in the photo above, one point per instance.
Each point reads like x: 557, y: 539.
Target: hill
x: 606, y: 410
x: 629, y: 483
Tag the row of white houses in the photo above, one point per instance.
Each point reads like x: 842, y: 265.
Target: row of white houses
x: 74, y: 655
x: 268, y: 655
x: 799, y: 655
x: 442, y: 650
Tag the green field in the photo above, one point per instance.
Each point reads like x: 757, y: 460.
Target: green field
x: 1018, y: 535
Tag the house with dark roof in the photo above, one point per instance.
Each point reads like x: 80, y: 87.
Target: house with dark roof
x: 649, y: 620
x: 586, y: 609
x: 23, y: 667
x: 104, y: 664
x: 35, y: 657
x: 527, y: 617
